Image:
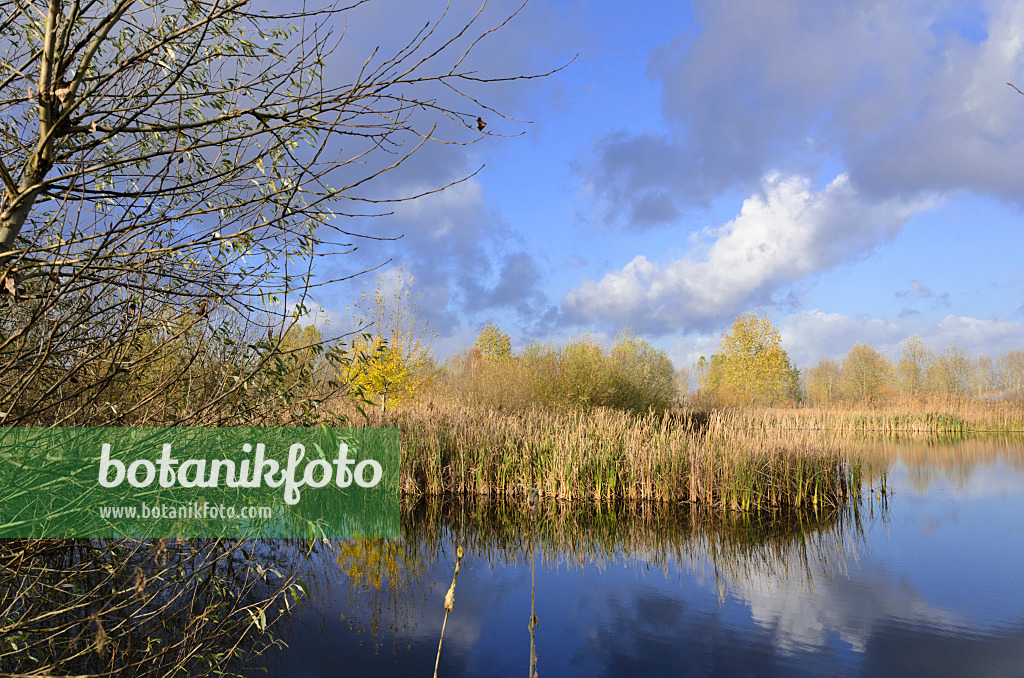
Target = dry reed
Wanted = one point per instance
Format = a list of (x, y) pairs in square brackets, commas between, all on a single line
[(922, 415), (607, 456)]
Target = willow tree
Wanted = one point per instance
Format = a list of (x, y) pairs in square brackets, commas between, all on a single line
[(170, 169), (641, 375), (824, 381), (913, 366), (950, 373)]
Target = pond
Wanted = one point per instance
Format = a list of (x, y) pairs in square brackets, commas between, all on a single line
[(925, 579)]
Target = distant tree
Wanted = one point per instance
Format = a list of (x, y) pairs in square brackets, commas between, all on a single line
[(795, 393), (493, 344), (1010, 367), (700, 372), (709, 377), (984, 376), (581, 376), (913, 366), (632, 376), (641, 375), (950, 373), (867, 374), (824, 381), (681, 380), (754, 366)]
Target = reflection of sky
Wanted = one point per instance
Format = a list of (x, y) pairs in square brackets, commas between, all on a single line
[(933, 590), (943, 564)]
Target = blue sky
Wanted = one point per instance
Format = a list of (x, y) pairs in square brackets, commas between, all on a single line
[(854, 170)]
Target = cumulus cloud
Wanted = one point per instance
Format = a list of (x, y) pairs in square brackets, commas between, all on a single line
[(810, 335), (782, 234), (687, 350), (908, 105)]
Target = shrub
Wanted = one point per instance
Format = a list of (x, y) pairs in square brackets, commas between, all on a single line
[(633, 376)]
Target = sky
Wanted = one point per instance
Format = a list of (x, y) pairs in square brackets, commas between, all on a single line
[(853, 170)]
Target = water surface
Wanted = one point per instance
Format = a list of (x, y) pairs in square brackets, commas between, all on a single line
[(926, 580)]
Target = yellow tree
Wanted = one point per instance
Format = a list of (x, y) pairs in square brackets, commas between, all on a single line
[(393, 345), (494, 344), (754, 366)]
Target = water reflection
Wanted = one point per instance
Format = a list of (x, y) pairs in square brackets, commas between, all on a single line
[(387, 595), (956, 461), (921, 581)]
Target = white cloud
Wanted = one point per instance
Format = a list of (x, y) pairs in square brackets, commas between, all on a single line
[(810, 335), (454, 340), (910, 97), (687, 350), (782, 234)]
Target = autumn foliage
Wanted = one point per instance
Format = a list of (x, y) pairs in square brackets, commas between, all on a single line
[(631, 376), (393, 345), (751, 367)]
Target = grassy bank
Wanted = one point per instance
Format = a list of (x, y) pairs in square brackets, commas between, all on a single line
[(606, 456)]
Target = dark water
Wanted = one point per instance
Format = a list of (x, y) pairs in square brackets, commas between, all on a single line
[(928, 581)]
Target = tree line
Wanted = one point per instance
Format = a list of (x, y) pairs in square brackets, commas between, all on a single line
[(752, 367), (868, 374)]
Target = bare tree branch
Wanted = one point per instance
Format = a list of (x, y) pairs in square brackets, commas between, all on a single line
[(171, 171)]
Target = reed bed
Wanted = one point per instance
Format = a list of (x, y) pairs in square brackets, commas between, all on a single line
[(922, 416), (605, 455)]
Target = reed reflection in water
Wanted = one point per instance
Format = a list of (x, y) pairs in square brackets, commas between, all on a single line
[(386, 596)]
